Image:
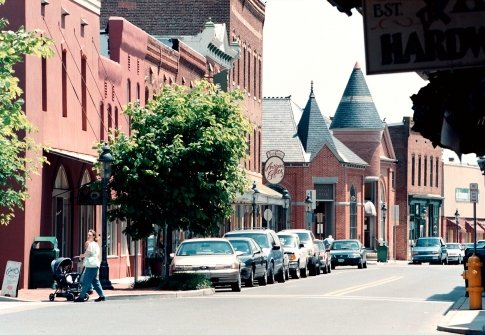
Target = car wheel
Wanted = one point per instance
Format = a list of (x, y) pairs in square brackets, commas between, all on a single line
[(250, 281), (262, 281), (287, 273), (271, 274), (318, 269), (312, 270), (236, 287), (281, 275), (296, 273), (445, 261)]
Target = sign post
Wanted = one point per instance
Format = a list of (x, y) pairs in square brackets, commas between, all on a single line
[(474, 199)]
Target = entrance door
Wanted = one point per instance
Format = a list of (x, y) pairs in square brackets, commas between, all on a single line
[(61, 200)]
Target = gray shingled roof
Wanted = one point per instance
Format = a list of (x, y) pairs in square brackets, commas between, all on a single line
[(280, 118), (312, 128), (356, 108), (279, 130)]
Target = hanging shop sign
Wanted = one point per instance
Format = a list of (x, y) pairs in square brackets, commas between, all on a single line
[(415, 35), (274, 168)]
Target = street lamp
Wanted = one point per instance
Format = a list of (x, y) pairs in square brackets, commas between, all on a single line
[(457, 217), (308, 203), (423, 219), (286, 204), (255, 192), (384, 211), (106, 161)]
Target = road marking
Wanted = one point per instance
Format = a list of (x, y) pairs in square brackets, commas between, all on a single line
[(362, 286)]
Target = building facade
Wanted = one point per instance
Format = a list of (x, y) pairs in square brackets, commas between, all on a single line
[(345, 166), (75, 99)]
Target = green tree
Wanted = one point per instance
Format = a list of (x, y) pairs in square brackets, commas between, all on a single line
[(181, 164), (16, 166)]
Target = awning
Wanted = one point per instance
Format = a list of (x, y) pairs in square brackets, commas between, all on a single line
[(470, 224), (452, 224), (266, 196), (73, 155), (370, 209)]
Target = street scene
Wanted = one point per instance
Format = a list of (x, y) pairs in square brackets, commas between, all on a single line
[(243, 166)]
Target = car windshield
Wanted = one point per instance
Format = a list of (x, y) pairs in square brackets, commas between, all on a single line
[(425, 242), (453, 246), (204, 248), (345, 245), (242, 246), (259, 238), (304, 237), (288, 241)]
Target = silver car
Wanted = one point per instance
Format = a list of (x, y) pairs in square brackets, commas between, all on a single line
[(213, 257), (429, 249)]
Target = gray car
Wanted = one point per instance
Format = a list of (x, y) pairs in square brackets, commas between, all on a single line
[(429, 249)]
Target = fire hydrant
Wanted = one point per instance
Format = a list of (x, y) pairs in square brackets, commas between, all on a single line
[(474, 277)]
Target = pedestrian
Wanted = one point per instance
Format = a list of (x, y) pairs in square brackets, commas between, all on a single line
[(328, 241), (91, 262)]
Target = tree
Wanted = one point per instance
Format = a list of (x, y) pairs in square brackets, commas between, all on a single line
[(181, 164), (16, 167)]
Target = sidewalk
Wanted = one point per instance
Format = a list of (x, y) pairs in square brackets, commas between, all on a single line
[(122, 289), (461, 320)]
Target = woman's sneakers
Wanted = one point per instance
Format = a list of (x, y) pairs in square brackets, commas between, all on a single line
[(101, 298)]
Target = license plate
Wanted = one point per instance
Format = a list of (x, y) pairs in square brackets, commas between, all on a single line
[(341, 260)]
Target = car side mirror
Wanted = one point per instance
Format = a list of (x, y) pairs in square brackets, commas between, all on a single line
[(276, 247), (301, 245), (172, 255), (239, 253)]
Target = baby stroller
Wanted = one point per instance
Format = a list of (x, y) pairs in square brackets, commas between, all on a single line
[(68, 283)]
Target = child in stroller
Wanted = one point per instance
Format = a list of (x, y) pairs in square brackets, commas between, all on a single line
[(68, 284)]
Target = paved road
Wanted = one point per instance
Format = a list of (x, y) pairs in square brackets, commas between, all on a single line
[(383, 299)]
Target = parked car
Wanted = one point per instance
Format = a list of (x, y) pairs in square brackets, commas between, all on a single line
[(271, 245), (307, 237), (429, 249), (213, 257), (456, 252), (324, 256), (297, 254), (253, 260), (348, 252)]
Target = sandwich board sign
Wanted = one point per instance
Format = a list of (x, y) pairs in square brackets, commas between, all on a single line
[(11, 279)]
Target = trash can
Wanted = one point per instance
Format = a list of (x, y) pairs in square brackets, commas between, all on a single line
[(44, 250), (382, 252)]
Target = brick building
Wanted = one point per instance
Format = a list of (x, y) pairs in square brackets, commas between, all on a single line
[(346, 164), (75, 98), (244, 22), (419, 180)]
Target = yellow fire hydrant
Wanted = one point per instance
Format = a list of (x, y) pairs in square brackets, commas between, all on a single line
[(474, 277)]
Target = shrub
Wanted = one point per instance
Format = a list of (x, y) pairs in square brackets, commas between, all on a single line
[(178, 282)]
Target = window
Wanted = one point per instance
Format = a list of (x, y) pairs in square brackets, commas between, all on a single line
[(353, 212), (44, 84), (413, 164), (64, 83), (462, 194), (419, 170), (249, 71), (437, 184), (61, 212), (128, 91), (101, 122), (255, 74), (84, 95), (425, 175), (112, 238), (431, 171), (86, 216)]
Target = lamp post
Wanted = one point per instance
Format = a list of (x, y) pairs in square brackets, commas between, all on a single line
[(384, 212), (423, 219), (457, 217), (286, 204), (255, 192), (308, 203), (106, 160)]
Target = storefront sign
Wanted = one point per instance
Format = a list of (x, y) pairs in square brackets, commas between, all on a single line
[(11, 279), (414, 35), (274, 169)]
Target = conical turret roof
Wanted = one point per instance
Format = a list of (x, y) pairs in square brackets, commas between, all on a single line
[(356, 108)]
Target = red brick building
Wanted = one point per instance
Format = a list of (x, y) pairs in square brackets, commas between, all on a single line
[(75, 98), (419, 194), (346, 164)]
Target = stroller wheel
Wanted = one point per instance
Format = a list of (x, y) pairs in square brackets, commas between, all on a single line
[(70, 297), (51, 297)]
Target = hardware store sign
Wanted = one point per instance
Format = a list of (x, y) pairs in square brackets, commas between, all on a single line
[(414, 35)]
